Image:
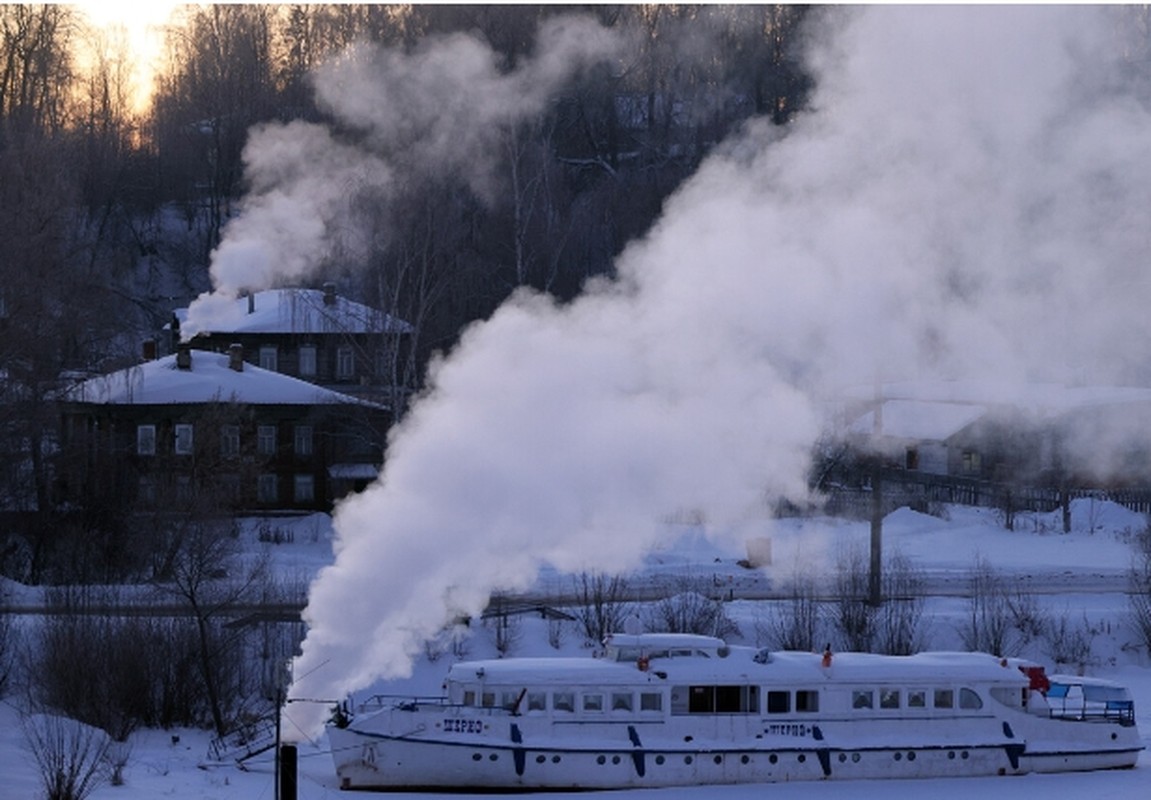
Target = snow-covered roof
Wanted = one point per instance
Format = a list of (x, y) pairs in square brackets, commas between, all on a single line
[(921, 420), (210, 379), (1038, 398), (300, 311)]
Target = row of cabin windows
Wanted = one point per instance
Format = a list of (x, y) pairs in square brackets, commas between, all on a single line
[(267, 487), (565, 702), (184, 433), (726, 700), (345, 361), (892, 699)]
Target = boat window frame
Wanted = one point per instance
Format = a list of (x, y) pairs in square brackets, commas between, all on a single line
[(563, 702), (645, 699)]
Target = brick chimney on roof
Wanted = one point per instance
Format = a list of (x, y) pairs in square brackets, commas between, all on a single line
[(183, 357), (329, 294), (236, 357)]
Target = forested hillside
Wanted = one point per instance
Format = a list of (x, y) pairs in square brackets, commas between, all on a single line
[(110, 210)]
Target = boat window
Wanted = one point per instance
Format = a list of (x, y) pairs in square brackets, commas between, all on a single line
[(1009, 696), (944, 698), (889, 698), (778, 702), (621, 701), (537, 701), (650, 701), (807, 701), (916, 698), (593, 702), (969, 699), (509, 700), (861, 698), (488, 699), (469, 697), (563, 701), (719, 699)]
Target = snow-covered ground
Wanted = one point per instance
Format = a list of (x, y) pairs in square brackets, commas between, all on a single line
[(1080, 575)]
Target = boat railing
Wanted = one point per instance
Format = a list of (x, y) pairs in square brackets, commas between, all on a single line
[(400, 702), (1121, 711)]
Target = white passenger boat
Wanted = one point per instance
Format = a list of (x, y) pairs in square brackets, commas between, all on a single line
[(675, 709)]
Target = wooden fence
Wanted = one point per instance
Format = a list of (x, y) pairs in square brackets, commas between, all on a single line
[(921, 491)]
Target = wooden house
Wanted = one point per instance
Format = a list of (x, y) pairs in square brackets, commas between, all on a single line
[(202, 427)]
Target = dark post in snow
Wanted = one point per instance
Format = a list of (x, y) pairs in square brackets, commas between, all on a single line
[(875, 575), (287, 785)]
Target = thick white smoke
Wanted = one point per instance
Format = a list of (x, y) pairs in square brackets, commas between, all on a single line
[(967, 198), (441, 110)]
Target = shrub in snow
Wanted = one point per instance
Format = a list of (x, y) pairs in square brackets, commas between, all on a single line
[(899, 627), (1070, 643), (987, 627), (793, 623), (852, 615), (71, 757), (1139, 580), (687, 609), (601, 604)]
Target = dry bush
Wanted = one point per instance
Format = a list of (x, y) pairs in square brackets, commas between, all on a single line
[(601, 604), (688, 609), (71, 757)]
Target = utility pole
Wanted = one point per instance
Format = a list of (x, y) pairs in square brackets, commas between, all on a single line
[(875, 576)]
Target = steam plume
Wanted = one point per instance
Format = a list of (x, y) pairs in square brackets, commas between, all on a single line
[(967, 198), (437, 111)]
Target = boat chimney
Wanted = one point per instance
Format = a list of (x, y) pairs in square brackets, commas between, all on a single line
[(236, 356)]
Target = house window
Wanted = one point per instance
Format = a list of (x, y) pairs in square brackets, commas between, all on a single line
[(308, 361), (230, 441), (183, 488), (146, 440), (303, 440), (183, 440), (912, 460), (269, 359), (972, 463), (305, 491), (266, 440), (266, 488), (345, 363)]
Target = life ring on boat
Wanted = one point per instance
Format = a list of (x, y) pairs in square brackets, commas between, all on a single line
[(642, 663)]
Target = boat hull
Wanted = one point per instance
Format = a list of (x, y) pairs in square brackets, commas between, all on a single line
[(510, 755)]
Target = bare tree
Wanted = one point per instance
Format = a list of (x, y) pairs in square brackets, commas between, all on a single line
[(853, 615), (602, 606), (900, 626), (794, 623), (209, 577), (987, 627)]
